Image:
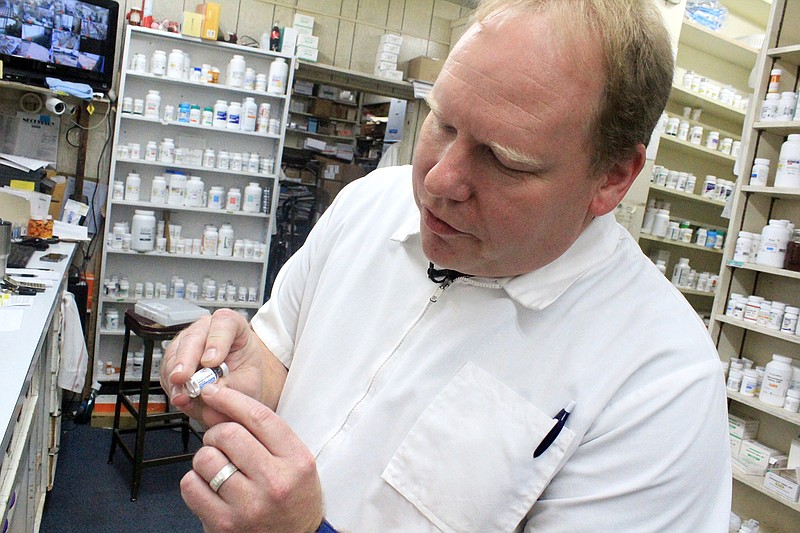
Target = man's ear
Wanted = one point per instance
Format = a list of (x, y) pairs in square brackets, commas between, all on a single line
[(616, 181)]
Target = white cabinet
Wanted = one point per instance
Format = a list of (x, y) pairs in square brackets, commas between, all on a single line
[(178, 258), (752, 208), (726, 63)]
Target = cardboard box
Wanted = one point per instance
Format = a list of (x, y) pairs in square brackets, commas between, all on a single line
[(314, 144), (386, 56), (333, 169), (192, 24), (307, 54), (323, 108), (302, 30), (327, 91), (396, 75), (304, 87), (305, 21), (56, 187), (389, 48), (392, 38), (309, 41), (288, 41), (794, 454), (211, 12), (783, 482), (424, 68), (385, 65), (756, 458), (743, 428)]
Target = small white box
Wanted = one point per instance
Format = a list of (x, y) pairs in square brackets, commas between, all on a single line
[(783, 481), (736, 444), (309, 41), (304, 87), (288, 41), (306, 21), (385, 65), (302, 30), (757, 457), (309, 54), (744, 428), (386, 56), (170, 312), (794, 454), (389, 48), (392, 38), (396, 75), (314, 144)]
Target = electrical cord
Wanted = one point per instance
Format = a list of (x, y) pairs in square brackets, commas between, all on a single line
[(91, 248)]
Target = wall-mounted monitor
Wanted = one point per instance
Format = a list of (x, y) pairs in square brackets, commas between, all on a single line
[(72, 40)]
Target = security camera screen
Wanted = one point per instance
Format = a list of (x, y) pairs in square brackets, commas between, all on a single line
[(63, 32)]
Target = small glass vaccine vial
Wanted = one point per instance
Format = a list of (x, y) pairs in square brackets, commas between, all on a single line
[(203, 377)]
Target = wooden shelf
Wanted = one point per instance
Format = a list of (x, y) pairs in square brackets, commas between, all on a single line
[(757, 482), (765, 269), (698, 150), (755, 403), (775, 192), (211, 211), (687, 196), (719, 46), (198, 168), (695, 292), (200, 302), (779, 128), (215, 87), (789, 54), (685, 97), (196, 257), (750, 326), (314, 134), (175, 123), (680, 244), (331, 119)]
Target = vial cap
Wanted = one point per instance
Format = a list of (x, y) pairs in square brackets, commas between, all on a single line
[(794, 137), (224, 368), (781, 358), (762, 161)]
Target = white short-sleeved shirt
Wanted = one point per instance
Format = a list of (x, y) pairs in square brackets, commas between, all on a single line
[(424, 415)]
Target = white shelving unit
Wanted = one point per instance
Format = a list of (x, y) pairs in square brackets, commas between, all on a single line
[(133, 128), (752, 208), (722, 58)]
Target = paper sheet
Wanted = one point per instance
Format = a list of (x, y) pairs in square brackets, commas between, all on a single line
[(11, 318)]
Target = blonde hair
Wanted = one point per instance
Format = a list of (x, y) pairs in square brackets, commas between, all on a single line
[(638, 65)]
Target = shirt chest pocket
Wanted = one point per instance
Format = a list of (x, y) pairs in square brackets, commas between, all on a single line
[(467, 464)]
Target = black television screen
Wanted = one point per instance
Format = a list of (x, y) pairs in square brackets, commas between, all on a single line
[(72, 40)]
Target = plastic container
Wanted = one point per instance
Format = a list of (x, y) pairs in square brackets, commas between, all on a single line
[(234, 116), (166, 151), (278, 74), (789, 322), (220, 119), (194, 192), (249, 115), (759, 172), (143, 231), (207, 117), (210, 239), (252, 198), (680, 272), (177, 188), (132, 185), (225, 241), (792, 402), (234, 199), (777, 376), (158, 190), (735, 377), (774, 80), (158, 63), (175, 64), (769, 107), (209, 158), (152, 104), (788, 173), (787, 106), (744, 242), (112, 319), (235, 73), (661, 223), (749, 383), (649, 217), (774, 239)]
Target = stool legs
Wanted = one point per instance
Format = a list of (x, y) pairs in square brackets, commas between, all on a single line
[(118, 403), (141, 419)]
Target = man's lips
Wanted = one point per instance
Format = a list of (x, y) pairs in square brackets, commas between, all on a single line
[(437, 225)]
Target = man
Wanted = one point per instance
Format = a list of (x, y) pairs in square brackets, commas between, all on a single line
[(420, 406)]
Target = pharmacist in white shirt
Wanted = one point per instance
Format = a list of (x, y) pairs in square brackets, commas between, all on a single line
[(559, 384)]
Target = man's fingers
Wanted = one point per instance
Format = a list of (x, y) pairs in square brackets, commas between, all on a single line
[(228, 331), (273, 433)]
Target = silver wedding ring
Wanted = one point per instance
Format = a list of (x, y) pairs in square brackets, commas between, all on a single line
[(222, 476)]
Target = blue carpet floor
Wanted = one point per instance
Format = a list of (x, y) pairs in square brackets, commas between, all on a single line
[(90, 495)]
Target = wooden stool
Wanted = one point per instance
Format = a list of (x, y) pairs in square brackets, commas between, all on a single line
[(150, 332)]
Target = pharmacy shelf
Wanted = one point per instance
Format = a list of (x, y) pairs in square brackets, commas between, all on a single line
[(695, 292), (324, 135), (680, 244), (720, 46), (176, 124), (201, 303), (789, 54), (722, 133), (209, 210), (321, 117), (788, 337), (765, 269), (311, 96), (185, 256), (686, 195), (114, 378), (695, 150), (211, 87), (755, 10), (685, 97), (757, 482), (774, 192), (196, 168), (755, 403), (786, 127)]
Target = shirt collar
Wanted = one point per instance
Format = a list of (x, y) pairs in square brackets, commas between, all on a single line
[(541, 287)]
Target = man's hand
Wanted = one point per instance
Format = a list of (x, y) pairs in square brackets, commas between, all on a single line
[(224, 336), (276, 487)]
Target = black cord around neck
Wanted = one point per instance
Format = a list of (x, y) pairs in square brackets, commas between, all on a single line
[(440, 275)]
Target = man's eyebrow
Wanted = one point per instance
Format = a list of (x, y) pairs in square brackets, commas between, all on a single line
[(432, 104), (517, 156)]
